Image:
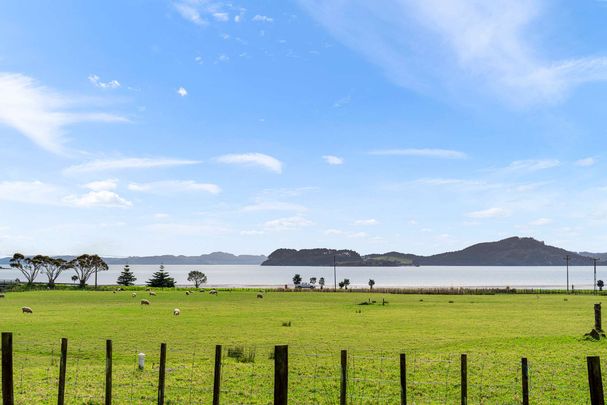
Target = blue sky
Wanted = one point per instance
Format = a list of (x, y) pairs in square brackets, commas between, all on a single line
[(189, 126)]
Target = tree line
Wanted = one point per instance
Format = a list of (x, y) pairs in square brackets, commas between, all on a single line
[(297, 281)]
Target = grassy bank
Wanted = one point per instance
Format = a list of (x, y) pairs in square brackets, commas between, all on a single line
[(494, 330)]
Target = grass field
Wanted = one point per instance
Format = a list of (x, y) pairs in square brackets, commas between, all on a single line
[(494, 330)]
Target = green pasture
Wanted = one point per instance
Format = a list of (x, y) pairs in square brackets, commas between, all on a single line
[(433, 330)]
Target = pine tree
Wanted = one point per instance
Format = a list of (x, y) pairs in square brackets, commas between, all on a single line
[(126, 278), (161, 279)]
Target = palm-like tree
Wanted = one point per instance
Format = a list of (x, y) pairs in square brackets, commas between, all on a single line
[(371, 283)]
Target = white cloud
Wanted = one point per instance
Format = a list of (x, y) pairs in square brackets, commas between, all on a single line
[(188, 11), (223, 58), (252, 159), (494, 212), (174, 186), (424, 152), (103, 198), (237, 18), (199, 60), (366, 222), (161, 215), (101, 185), (339, 232), (223, 17), (541, 221), (41, 114), (333, 160), (342, 102), (96, 81), (34, 192), (262, 18), (274, 206), (532, 165), (127, 163), (286, 224), (182, 91), (461, 45), (586, 162)]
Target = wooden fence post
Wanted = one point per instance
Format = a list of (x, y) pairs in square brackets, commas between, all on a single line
[(403, 379), (217, 375), (598, 324), (525, 380), (108, 372), (595, 381), (464, 378), (7, 369), (162, 373), (281, 375), (343, 388), (62, 369)]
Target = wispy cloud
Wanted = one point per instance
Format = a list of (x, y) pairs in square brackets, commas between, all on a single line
[(40, 113), (532, 165), (274, 206), (366, 222), (287, 224), (541, 221), (252, 159), (127, 163), (101, 185), (586, 162), (174, 186), (494, 212), (262, 18), (424, 152), (96, 81), (333, 160), (31, 192), (103, 198), (458, 45)]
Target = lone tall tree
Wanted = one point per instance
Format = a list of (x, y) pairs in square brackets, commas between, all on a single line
[(29, 267), (371, 283), (87, 265), (297, 279), (321, 282), (161, 279), (126, 278), (197, 277), (600, 284)]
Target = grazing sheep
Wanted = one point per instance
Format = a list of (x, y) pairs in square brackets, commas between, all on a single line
[(114, 292), (259, 295), (187, 293), (145, 302), (133, 295), (213, 292), (27, 310), (176, 311), (152, 293), (2, 295)]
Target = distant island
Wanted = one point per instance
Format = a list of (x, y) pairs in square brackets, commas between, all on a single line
[(514, 251), (211, 258)]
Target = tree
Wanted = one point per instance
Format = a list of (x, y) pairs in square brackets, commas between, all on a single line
[(126, 278), (74, 278), (341, 284), (197, 277), (371, 283), (161, 279), (321, 282), (87, 265), (600, 284), (346, 282), (29, 267), (52, 267), (313, 280), (297, 279)]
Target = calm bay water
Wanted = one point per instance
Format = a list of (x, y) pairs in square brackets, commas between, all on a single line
[(425, 276)]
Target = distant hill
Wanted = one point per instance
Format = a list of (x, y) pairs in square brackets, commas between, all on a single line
[(601, 256), (211, 258), (513, 251)]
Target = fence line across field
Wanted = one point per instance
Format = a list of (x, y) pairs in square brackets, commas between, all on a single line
[(342, 378)]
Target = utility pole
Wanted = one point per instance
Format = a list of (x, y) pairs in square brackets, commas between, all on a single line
[(334, 275), (567, 258), (594, 259)]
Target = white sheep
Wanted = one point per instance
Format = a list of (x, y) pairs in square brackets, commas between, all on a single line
[(2, 295), (213, 292), (134, 295), (176, 311), (27, 310), (145, 302), (152, 293), (259, 295), (187, 293)]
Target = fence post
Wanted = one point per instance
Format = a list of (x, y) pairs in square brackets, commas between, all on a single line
[(598, 324), (343, 388), (281, 375), (464, 378), (595, 381), (108, 372), (403, 379), (162, 373), (7, 369), (62, 369), (217, 375), (525, 380)]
